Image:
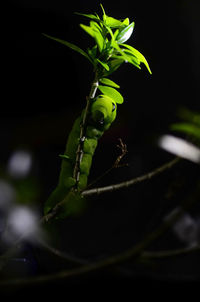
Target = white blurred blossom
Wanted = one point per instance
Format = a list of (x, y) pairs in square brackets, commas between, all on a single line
[(22, 222), (180, 148), (19, 164), (186, 228)]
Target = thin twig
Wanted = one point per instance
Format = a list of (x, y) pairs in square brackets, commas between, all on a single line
[(79, 152), (116, 164), (61, 254), (133, 252), (169, 253), (123, 147), (146, 254), (54, 211), (119, 258), (112, 188), (134, 181)]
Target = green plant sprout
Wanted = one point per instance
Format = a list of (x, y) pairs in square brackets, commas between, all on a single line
[(187, 147), (189, 125), (106, 56)]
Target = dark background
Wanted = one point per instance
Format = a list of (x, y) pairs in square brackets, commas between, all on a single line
[(45, 88)]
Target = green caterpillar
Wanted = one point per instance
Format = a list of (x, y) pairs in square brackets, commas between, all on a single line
[(102, 113)]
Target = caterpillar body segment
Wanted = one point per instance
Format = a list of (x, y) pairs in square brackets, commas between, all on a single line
[(102, 113)]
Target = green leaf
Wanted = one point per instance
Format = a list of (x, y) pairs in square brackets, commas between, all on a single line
[(94, 31), (104, 14), (90, 16), (109, 82), (114, 64), (138, 55), (64, 156), (104, 64), (112, 42), (95, 26), (87, 29), (126, 22), (112, 22), (187, 128), (116, 33), (116, 46), (132, 59), (128, 59), (97, 35), (70, 45), (190, 116), (125, 33), (112, 93), (93, 52)]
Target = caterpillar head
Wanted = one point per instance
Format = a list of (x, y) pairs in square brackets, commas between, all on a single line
[(103, 111)]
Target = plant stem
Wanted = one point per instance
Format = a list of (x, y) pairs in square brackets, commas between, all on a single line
[(131, 182), (114, 187), (132, 252), (122, 185), (79, 152), (169, 253)]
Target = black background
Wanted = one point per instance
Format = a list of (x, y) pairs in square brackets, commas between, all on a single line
[(45, 85)]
